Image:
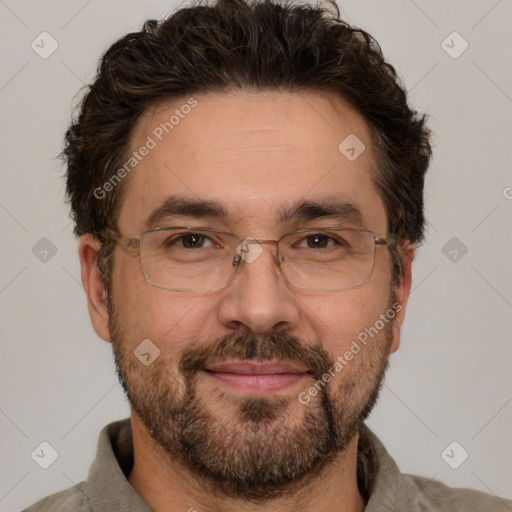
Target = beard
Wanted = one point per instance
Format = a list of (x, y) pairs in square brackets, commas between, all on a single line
[(265, 446)]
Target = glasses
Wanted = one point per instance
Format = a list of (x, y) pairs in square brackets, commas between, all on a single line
[(191, 259)]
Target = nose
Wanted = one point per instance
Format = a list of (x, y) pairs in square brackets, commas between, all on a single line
[(258, 298)]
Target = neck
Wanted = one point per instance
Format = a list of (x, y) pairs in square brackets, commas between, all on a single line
[(165, 485)]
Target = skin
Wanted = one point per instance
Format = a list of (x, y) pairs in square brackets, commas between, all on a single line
[(253, 152)]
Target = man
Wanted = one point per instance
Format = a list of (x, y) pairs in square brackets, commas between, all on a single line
[(247, 185)]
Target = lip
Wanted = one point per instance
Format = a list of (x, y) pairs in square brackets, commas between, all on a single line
[(256, 377)]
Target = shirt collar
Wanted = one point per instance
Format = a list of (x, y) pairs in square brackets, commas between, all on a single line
[(108, 488)]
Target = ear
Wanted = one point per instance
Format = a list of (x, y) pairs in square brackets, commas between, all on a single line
[(94, 286), (406, 252)]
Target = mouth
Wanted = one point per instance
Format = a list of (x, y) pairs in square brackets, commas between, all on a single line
[(256, 377)]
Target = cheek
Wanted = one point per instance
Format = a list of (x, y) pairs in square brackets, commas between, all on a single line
[(340, 318), (169, 319)]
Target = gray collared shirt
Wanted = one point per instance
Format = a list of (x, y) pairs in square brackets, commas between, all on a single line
[(382, 484)]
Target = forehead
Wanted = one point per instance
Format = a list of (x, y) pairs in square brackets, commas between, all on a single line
[(255, 153)]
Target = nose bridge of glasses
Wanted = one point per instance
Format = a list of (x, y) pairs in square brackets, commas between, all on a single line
[(244, 253), (274, 242)]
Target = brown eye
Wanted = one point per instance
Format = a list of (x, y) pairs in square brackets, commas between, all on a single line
[(318, 241), (192, 241)]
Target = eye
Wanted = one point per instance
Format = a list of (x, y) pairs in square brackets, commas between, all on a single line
[(190, 241), (317, 241)]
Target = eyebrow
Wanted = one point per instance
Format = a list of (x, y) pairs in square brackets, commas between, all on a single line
[(175, 206), (334, 208), (302, 211)]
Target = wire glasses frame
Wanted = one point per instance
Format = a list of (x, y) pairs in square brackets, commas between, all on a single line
[(346, 262)]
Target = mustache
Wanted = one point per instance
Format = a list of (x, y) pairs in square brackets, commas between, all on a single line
[(278, 346)]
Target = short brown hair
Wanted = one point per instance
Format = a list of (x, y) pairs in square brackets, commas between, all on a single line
[(261, 45)]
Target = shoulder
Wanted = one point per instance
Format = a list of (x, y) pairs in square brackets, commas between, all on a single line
[(433, 495), (392, 490), (69, 500)]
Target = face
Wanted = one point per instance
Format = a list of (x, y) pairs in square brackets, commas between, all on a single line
[(257, 374)]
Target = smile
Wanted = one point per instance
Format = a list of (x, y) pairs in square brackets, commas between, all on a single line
[(259, 378)]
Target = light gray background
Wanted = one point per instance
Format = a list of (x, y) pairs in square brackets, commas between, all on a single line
[(451, 378)]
